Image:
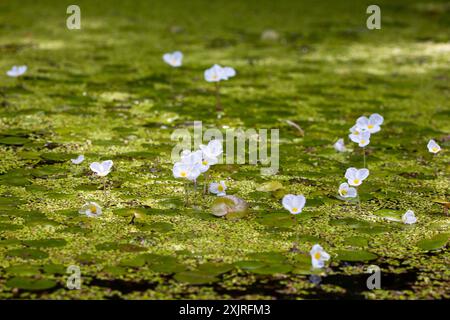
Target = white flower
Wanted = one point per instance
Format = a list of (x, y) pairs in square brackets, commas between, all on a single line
[(346, 191), (340, 146), (294, 204), (213, 150), (318, 256), (371, 124), (218, 188), (174, 59), (216, 73), (91, 209), (78, 159), (17, 71), (361, 138), (101, 169), (356, 176), (186, 171), (228, 72), (409, 217), (433, 147)]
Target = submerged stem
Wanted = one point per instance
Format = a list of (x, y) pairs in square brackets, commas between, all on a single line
[(364, 156)]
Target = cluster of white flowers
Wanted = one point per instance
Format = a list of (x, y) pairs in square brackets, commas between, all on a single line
[(216, 73), (355, 178), (364, 127), (194, 163), (16, 71)]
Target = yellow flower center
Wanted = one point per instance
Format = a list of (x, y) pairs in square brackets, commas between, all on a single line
[(434, 149), (317, 255), (356, 132), (183, 174), (370, 126), (220, 188), (356, 181), (363, 141), (294, 209), (204, 162), (93, 209), (343, 191)]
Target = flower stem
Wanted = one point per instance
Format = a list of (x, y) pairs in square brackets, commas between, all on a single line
[(205, 175), (186, 192), (364, 156), (218, 103)]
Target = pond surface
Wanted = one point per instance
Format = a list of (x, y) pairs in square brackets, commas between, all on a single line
[(308, 70)]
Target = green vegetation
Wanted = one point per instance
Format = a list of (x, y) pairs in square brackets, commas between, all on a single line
[(104, 91)]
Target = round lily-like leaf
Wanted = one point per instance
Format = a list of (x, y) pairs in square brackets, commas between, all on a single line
[(271, 257), (27, 253), (250, 264), (391, 215), (23, 270), (161, 227), (230, 206), (356, 241), (270, 186), (273, 269), (14, 141), (31, 284), (215, 269), (195, 277), (9, 227), (434, 243), (355, 255), (45, 243), (276, 219), (53, 268)]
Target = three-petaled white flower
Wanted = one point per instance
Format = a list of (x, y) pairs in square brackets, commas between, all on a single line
[(346, 191), (78, 159), (91, 209), (293, 203), (318, 256), (362, 138), (409, 217), (356, 176), (173, 59), (340, 146), (101, 169), (17, 71), (371, 124), (217, 73), (433, 147), (218, 188)]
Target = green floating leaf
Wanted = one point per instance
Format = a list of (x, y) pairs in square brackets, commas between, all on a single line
[(230, 206), (276, 219), (267, 256), (391, 215), (45, 243), (115, 270), (31, 284), (355, 255), (434, 243), (134, 262), (27, 253), (356, 241), (161, 227), (23, 270), (250, 264), (270, 186), (53, 268), (14, 141), (273, 269), (164, 264), (215, 269), (195, 277)]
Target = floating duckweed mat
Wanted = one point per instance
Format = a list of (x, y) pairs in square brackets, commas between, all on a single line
[(309, 69)]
